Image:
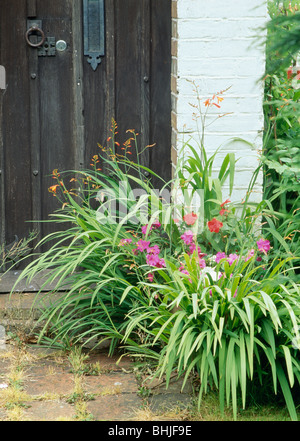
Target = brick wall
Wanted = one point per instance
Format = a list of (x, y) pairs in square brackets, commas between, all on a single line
[(214, 45)]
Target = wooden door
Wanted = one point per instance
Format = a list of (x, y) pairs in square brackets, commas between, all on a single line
[(57, 106)]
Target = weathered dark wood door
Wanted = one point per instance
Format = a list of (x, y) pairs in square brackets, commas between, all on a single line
[(56, 107)]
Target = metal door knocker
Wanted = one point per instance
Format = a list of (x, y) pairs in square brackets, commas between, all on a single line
[(35, 29)]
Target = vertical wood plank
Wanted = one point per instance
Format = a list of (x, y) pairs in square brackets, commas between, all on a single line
[(145, 44), (2, 189), (31, 9), (110, 102), (78, 121), (16, 176), (35, 136), (160, 155), (57, 107)]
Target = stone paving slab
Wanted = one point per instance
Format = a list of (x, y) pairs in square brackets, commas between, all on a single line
[(112, 395), (114, 382), (49, 411), (122, 407)]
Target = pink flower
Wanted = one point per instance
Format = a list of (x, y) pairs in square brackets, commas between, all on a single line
[(161, 263), (190, 218), (144, 229), (187, 237), (263, 245), (184, 271), (142, 245), (192, 248), (154, 260), (153, 250), (249, 255), (232, 258), (220, 255), (202, 263), (156, 224)]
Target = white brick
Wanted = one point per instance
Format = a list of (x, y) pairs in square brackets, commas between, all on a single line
[(218, 48), (195, 28), (237, 86), (234, 124), (249, 143), (242, 104), (221, 8), (222, 67)]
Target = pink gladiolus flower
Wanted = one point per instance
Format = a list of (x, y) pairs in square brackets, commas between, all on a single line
[(144, 229), (192, 248), (154, 260), (202, 263), (187, 237), (142, 245), (263, 245), (153, 250), (220, 255), (232, 258), (249, 255), (156, 224), (184, 271), (161, 263)]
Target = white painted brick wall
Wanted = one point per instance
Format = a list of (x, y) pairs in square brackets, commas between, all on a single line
[(217, 48)]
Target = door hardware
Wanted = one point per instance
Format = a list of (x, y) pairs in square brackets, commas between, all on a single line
[(45, 45), (34, 28), (94, 31)]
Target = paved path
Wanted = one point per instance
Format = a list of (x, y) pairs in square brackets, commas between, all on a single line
[(113, 392)]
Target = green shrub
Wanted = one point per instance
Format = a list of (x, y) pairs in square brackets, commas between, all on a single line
[(233, 330)]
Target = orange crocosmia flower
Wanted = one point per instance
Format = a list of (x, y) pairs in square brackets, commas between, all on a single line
[(53, 188), (190, 218), (207, 102), (220, 99)]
